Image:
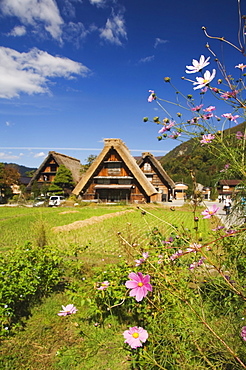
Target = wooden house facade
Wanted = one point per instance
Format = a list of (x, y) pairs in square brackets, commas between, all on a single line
[(115, 176), (46, 172), (228, 187), (157, 176)]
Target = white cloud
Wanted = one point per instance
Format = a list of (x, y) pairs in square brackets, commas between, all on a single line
[(7, 123), (98, 3), (34, 12), (159, 41), (8, 156), (18, 31), (147, 59), (114, 29), (41, 154), (75, 32), (30, 72)]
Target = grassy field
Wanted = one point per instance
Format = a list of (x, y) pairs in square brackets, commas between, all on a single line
[(49, 342)]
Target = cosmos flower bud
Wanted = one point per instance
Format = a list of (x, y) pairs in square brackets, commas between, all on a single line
[(189, 96), (156, 119), (159, 138), (219, 81), (167, 79), (166, 120), (145, 119), (179, 114)]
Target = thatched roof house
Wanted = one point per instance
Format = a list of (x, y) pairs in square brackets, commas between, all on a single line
[(47, 170), (115, 176), (156, 174)]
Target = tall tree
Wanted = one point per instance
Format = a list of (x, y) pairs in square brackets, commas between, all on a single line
[(88, 163), (8, 176), (63, 181)]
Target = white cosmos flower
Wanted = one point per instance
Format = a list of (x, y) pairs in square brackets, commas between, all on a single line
[(198, 66), (205, 80)]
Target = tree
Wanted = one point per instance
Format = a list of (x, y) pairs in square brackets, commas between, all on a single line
[(35, 189), (8, 177), (63, 181), (88, 163)]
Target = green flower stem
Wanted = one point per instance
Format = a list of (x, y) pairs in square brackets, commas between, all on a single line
[(201, 319), (163, 221)]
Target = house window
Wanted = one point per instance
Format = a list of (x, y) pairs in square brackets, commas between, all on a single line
[(103, 181), (114, 168), (53, 167), (124, 181), (147, 167), (46, 177), (150, 177)]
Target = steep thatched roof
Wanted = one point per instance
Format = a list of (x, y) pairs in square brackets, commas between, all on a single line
[(124, 153), (158, 167), (70, 163)]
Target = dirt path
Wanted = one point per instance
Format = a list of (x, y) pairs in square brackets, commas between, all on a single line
[(90, 221)]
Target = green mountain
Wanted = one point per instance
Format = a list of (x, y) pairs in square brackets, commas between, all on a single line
[(192, 156), (20, 168)]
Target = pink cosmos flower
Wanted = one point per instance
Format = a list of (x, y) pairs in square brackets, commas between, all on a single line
[(163, 129), (197, 66), (196, 264), (175, 135), (230, 117), (171, 124), (220, 227), (243, 333), (176, 255), (210, 211), (206, 139), (241, 66), (229, 94), (104, 285), (67, 310), (193, 248), (240, 135), (135, 336), (145, 255), (141, 260), (197, 108), (207, 116), (152, 96), (204, 90), (139, 285), (205, 80), (209, 109), (225, 168)]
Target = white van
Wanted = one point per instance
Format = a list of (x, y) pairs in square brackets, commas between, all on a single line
[(56, 200)]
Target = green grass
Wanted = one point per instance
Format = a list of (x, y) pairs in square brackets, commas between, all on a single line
[(51, 342)]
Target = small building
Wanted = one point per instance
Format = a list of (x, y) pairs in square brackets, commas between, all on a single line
[(180, 190), (46, 172), (158, 177), (115, 176), (227, 187)]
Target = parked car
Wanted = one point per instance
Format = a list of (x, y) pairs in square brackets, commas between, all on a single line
[(56, 200), (39, 202)]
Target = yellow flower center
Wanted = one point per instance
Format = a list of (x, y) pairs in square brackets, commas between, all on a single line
[(135, 335), (205, 81), (140, 284)]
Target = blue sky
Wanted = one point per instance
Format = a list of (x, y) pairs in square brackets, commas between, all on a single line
[(73, 72)]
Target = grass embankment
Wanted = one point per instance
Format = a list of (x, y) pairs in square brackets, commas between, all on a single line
[(52, 342)]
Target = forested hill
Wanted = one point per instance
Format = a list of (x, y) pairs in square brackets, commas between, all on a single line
[(20, 168), (191, 155)]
